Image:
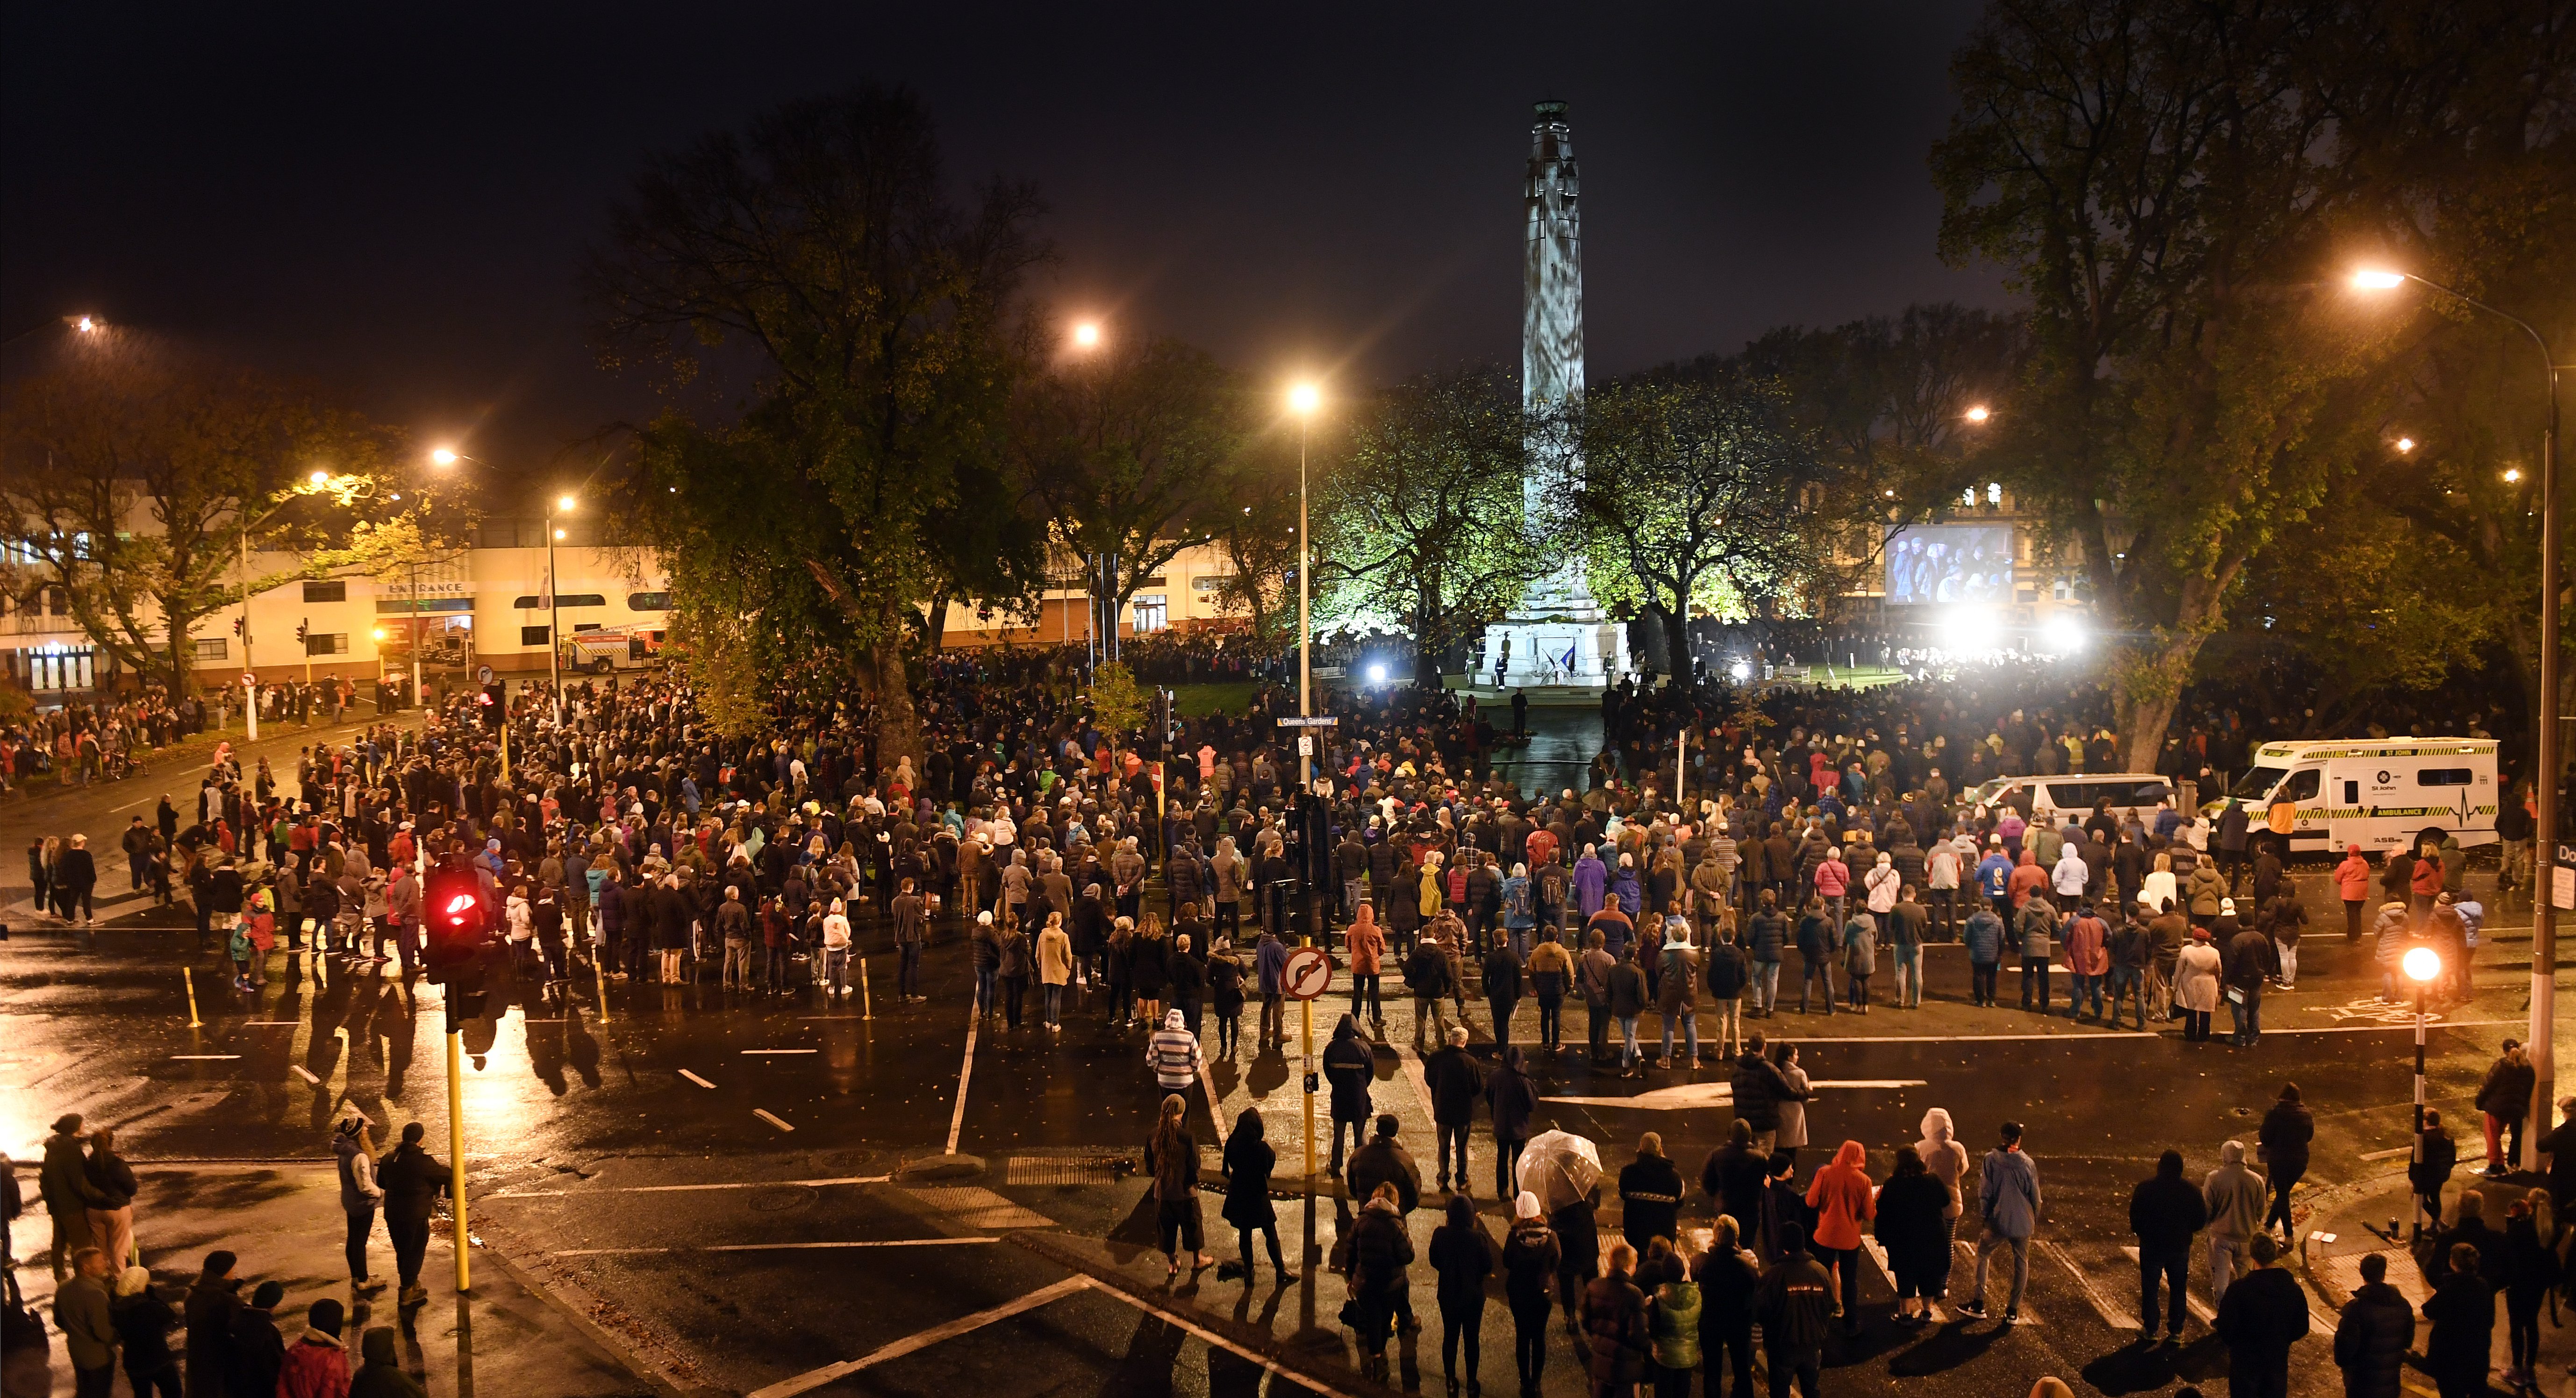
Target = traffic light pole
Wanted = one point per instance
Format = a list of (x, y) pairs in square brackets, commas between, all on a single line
[(456, 1143)]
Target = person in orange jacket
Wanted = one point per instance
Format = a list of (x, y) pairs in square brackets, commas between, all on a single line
[(1843, 1199)]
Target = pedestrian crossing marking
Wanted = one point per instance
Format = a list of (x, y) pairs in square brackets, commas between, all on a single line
[(2112, 1316), (2190, 1297)]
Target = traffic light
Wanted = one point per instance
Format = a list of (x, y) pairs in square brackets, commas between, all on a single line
[(1314, 829), (458, 924), (237, 626), (299, 632)]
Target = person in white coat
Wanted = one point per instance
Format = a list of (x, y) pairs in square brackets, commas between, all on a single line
[(2196, 984)]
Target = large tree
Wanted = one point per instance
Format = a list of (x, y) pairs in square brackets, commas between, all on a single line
[(837, 337), (1132, 451), (140, 479), (1687, 494), (1419, 520), (2176, 188)]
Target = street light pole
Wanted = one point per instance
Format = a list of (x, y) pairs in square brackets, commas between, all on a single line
[(2422, 965), (554, 610), (250, 690), (2545, 757)]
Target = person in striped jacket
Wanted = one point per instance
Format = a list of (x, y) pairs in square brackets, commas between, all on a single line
[(1173, 1053)]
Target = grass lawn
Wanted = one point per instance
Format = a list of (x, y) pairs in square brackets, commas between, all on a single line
[(1203, 700)]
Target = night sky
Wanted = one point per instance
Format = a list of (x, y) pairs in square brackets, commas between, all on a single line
[(396, 203)]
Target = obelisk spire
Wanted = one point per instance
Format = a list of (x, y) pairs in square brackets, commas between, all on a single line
[(1552, 267)]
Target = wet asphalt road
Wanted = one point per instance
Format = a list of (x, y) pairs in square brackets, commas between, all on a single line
[(740, 1253)]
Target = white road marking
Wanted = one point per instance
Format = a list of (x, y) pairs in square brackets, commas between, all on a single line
[(702, 1082), (1878, 1254), (966, 1072), (758, 1053), (202, 1057), (921, 1339), (775, 1247), (1182, 1322), (764, 1114), (2112, 1316), (290, 1023), (302, 1072), (687, 1188), (2190, 1297), (1691, 1096), (2389, 1154), (1968, 1250)]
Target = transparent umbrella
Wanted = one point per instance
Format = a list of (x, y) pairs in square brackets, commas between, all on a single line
[(1559, 1167)]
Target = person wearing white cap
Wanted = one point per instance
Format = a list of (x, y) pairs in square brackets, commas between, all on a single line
[(1531, 1254)]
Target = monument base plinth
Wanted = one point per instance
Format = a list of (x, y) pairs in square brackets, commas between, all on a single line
[(1556, 646)]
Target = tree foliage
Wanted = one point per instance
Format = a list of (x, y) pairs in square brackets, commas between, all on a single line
[(1133, 452), (136, 474), (1420, 521), (2176, 187), (812, 274), (1687, 495)]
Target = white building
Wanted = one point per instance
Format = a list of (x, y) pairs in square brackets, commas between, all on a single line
[(490, 597)]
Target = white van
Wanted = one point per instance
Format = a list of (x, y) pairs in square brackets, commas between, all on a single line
[(2053, 800), (2378, 793)]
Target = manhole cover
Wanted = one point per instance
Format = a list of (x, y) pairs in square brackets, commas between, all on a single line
[(779, 1201)]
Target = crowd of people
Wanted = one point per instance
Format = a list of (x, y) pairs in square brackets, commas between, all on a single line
[(113, 1316), (632, 840), (1779, 1270)]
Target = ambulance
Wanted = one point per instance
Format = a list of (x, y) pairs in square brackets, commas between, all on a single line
[(2381, 794), (604, 649)]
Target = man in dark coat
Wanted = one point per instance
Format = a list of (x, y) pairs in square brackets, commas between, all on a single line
[(1510, 1100), (1794, 1303), (1650, 1195), (2373, 1333), (1502, 987), (258, 1347), (1383, 1161), (1759, 1091), (412, 1180), (1454, 1082), (2287, 1129), (2165, 1212), (2263, 1313), (213, 1303), (1732, 1178), (1349, 1067)]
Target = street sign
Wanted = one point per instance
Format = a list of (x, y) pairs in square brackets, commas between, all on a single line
[(2562, 880), (483, 675), (1305, 745), (1307, 975), (250, 679), (1318, 721)]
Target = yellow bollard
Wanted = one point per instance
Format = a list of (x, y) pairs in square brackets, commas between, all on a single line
[(190, 975), (602, 972), (866, 1005)]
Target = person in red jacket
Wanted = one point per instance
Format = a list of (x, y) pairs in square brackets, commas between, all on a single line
[(2425, 884), (1843, 1200), (2352, 884), (317, 1365)]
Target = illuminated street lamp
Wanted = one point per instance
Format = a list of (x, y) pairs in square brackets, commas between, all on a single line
[(1086, 335), (2405, 444), (1979, 413), (2544, 912), (2422, 965)]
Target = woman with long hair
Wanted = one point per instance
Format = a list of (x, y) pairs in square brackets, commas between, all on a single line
[(1248, 1161), (1172, 1162)]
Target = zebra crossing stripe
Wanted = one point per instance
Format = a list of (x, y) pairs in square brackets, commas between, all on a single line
[(2111, 1315)]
